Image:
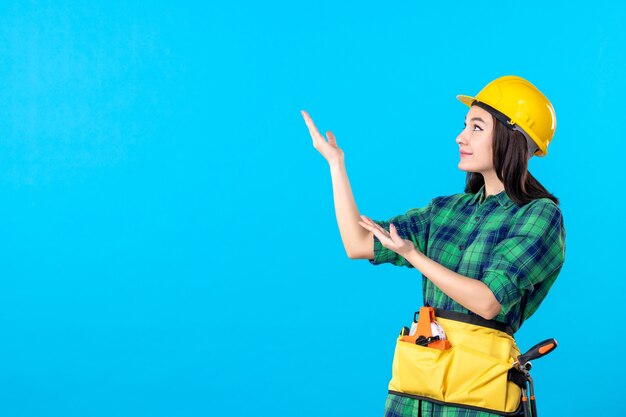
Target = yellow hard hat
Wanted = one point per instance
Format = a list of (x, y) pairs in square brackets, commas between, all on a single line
[(523, 105)]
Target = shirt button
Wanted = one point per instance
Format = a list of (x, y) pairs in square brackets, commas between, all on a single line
[(460, 247), (476, 218)]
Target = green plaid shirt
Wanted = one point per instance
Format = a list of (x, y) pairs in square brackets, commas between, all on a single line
[(516, 251)]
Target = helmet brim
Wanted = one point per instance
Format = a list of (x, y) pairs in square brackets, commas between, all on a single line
[(467, 100)]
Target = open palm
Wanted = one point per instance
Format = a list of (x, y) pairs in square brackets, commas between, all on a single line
[(326, 146)]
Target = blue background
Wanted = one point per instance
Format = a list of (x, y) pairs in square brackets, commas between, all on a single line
[(169, 246)]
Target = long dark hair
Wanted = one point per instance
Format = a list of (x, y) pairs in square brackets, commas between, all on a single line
[(510, 160)]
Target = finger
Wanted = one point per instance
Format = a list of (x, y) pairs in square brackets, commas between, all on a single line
[(305, 116), (331, 138), (309, 123), (367, 219), (366, 226), (374, 228), (373, 223), (383, 236), (307, 119), (370, 228), (368, 222), (393, 233)]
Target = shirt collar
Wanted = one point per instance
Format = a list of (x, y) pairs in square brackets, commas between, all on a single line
[(502, 198)]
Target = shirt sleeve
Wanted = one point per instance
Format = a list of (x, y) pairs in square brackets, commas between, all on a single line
[(523, 267), (412, 226)]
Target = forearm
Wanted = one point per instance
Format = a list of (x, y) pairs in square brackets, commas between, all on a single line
[(470, 293), (358, 242)]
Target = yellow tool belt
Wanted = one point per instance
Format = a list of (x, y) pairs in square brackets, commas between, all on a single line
[(472, 373)]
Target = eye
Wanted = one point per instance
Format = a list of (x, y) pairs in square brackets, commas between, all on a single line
[(475, 127)]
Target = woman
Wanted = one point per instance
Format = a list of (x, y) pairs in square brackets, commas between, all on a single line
[(491, 253)]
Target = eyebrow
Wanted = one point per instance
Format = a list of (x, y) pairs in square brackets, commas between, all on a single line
[(478, 119)]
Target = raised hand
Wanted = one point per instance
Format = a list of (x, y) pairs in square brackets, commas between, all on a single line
[(325, 146)]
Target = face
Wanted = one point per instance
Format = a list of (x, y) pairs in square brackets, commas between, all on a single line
[(476, 141)]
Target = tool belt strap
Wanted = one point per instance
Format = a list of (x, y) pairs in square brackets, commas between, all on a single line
[(518, 377), (476, 320)]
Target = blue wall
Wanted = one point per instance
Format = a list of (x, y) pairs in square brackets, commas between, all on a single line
[(169, 246)]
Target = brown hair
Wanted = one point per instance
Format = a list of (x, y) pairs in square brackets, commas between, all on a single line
[(510, 161)]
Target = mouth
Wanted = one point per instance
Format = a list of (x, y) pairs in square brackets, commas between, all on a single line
[(465, 154)]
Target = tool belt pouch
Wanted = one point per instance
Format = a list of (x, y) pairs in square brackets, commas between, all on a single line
[(472, 373)]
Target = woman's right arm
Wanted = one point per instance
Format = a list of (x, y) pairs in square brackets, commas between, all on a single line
[(358, 242)]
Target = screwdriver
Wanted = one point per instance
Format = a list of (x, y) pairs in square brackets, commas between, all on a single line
[(537, 351)]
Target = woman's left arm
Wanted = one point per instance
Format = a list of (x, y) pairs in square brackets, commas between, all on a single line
[(470, 293)]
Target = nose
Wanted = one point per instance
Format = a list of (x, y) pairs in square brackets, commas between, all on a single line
[(461, 139)]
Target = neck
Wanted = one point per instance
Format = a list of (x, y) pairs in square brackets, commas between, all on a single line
[(493, 185)]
